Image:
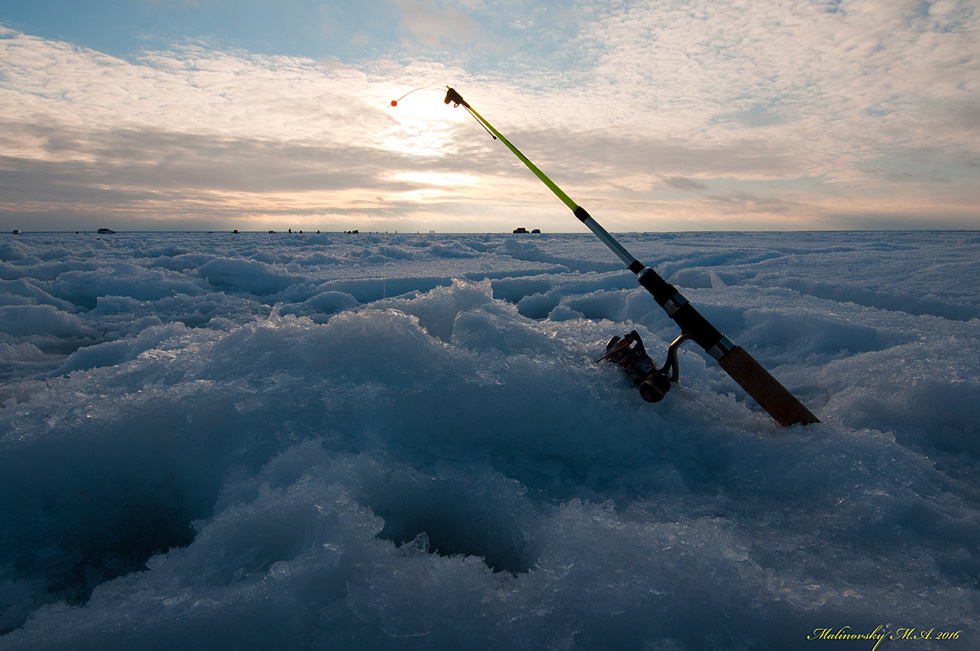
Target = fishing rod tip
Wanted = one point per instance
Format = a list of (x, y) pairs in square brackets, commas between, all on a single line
[(454, 97)]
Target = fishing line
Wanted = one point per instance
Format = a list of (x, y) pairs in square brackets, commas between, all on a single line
[(384, 265), (394, 102), (387, 212), (384, 246)]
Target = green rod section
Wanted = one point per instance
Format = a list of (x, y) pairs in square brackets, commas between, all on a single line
[(583, 216), (456, 98)]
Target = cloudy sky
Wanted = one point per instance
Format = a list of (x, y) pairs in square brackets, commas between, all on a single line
[(656, 115)]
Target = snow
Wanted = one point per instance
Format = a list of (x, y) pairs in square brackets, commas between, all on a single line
[(358, 441)]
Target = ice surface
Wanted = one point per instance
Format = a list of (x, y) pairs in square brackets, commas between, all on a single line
[(332, 441)]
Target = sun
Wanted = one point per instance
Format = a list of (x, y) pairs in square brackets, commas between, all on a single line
[(422, 123)]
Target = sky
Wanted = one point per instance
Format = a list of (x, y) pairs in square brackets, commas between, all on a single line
[(669, 115)]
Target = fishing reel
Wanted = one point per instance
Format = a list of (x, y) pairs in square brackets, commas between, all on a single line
[(628, 353)]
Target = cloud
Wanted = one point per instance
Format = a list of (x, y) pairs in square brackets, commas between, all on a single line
[(438, 26), (185, 132), (788, 70), (706, 113), (685, 184)]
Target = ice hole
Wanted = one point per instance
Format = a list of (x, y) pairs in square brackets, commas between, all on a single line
[(450, 533)]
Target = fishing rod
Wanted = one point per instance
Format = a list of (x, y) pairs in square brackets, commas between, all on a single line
[(757, 382)]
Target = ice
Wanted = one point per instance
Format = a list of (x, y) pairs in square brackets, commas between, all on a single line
[(30, 320), (247, 275), (351, 441)]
